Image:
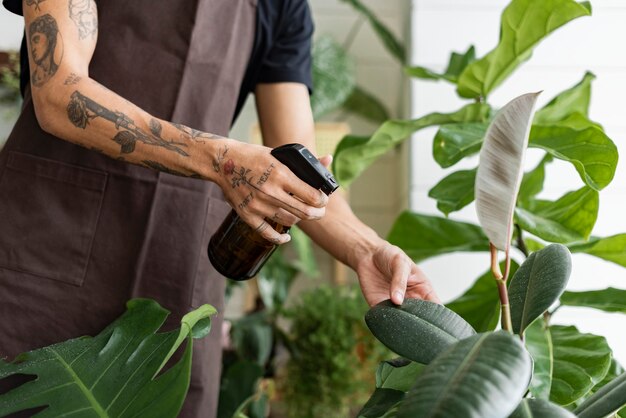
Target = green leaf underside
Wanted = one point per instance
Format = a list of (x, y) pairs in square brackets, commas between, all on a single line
[(539, 408), (524, 23), (333, 76), (482, 376), (611, 248), (480, 304), (398, 374), (571, 218), (573, 100), (455, 191), (539, 345), (112, 374), (537, 284), (456, 65), (417, 330), (436, 236), (580, 362), (608, 300), (358, 153), (364, 104)]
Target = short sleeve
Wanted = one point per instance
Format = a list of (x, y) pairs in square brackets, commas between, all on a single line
[(289, 58), (14, 6)]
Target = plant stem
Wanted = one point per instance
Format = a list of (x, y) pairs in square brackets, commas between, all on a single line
[(502, 290), (521, 245)]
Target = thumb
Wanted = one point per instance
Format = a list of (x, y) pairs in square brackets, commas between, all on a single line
[(326, 160)]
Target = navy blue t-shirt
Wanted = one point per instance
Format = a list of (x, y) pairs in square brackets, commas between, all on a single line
[(281, 51)]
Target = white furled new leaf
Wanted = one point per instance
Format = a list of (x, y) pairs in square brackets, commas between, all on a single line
[(500, 170)]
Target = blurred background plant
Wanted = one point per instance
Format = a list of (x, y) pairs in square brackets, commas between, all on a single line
[(10, 98)]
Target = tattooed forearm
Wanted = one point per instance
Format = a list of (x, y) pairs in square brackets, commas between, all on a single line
[(246, 201), (194, 133), (265, 176), (155, 165), (217, 162), (81, 109), (84, 13), (36, 3), (72, 79), (46, 49)]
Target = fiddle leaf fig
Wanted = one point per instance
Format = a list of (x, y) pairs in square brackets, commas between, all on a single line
[(532, 182), (455, 141), (539, 345), (611, 248), (112, 374), (573, 100), (455, 191), (456, 65), (524, 24), (608, 300)]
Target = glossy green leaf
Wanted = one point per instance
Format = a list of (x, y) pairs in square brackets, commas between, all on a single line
[(501, 168), (355, 154), (112, 374), (398, 374), (480, 304), (363, 104), (568, 219), (456, 65), (418, 330), (539, 408), (608, 300), (238, 387), (380, 403), (610, 399), (532, 182), (333, 76), (455, 191), (539, 345), (455, 141), (537, 284), (524, 24), (425, 236), (582, 143), (391, 43), (573, 100), (580, 362), (485, 375), (611, 248)]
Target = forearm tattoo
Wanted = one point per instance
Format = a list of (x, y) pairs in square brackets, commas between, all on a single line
[(35, 3), (84, 13), (217, 162), (81, 110), (72, 79), (46, 49), (194, 133)]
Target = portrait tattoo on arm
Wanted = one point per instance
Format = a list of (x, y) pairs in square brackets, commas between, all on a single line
[(84, 13), (46, 49)]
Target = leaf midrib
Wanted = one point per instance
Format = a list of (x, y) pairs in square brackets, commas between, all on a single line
[(81, 385)]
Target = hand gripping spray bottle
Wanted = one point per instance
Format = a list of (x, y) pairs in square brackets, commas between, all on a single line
[(236, 250)]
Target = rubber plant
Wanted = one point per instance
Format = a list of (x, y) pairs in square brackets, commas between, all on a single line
[(119, 373), (573, 372)]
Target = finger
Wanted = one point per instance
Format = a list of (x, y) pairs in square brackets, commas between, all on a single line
[(264, 229), (420, 287), (303, 192), (400, 270), (291, 205), (326, 160), (285, 218)]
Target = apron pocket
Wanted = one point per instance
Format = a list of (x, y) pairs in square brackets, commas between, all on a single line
[(48, 216)]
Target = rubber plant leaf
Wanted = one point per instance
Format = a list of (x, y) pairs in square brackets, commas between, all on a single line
[(500, 169), (113, 374), (481, 376), (539, 408)]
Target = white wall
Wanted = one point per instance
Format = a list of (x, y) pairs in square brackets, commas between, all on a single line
[(589, 43)]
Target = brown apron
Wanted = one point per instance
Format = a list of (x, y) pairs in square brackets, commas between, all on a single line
[(80, 233)]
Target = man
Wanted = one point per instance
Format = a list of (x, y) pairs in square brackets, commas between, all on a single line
[(107, 193)]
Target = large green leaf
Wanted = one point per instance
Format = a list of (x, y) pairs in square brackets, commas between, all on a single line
[(112, 374), (580, 362), (333, 76), (582, 143), (393, 45), (398, 374), (571, 218), (480, 304), (455, 141), (253, 337), (501, 169), (362, 103), (611, 248), (380, 403), (238, 385), (524, 24), (539, 408), (424, 236), (455, 191), (537, 284), (355, 154), (608, 300), (482, 376), (539, 345), (456, 65), (606, 401), (418, 330), (573, 100), (532, 182)]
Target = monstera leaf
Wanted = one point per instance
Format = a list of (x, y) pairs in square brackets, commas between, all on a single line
[(500, 170), (112, 374)]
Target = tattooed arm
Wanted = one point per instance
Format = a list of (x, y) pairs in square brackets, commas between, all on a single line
[(61, 38), (384, 270)]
